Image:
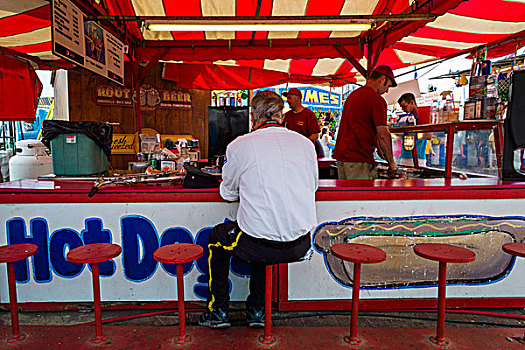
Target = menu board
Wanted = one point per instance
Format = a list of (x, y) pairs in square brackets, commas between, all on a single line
[(85, 42)]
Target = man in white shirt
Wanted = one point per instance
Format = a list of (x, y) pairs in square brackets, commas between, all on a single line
[(273, 173)]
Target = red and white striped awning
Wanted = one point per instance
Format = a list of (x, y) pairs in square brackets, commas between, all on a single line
[(460, 26)]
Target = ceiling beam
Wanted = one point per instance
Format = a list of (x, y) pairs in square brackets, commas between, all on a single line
[(271, 19), (251, 42), (351, 59)]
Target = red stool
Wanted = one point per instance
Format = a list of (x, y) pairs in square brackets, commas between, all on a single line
[(9, 254), (358, 254), (516, 249), (179, 254), (444, 253), (94, 254), (268, 338)]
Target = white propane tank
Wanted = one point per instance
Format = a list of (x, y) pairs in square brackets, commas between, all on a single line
[(30, 161)]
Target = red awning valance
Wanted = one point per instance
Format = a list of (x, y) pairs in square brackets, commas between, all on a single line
[(19, 90)]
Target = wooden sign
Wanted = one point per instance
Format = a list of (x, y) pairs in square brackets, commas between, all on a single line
[(151, 98)]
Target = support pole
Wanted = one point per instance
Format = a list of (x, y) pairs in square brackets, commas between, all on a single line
[(449, 151), (353, 339), (13, 305), (136, 81), (99, 338), (183, 338), (268, 338), (442, 294)]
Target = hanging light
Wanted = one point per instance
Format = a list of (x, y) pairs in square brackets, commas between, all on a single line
[(250, 24), (172, 27)]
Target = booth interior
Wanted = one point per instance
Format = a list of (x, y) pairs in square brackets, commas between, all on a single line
[(190, 126)]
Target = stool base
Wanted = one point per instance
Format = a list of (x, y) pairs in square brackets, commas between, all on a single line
[(182, 339), (443, 342), (97, 340), (271, 340), (16, 339), (352, 341)]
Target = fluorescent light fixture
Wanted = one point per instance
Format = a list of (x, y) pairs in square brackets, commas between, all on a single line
[(250, 27)]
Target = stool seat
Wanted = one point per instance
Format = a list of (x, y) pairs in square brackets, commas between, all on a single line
[(358, 253), (94, 253), (517, 249), (446, 253), (178, 253), (15, 252)]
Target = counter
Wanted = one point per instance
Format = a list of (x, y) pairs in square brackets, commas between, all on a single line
[(481, 214)]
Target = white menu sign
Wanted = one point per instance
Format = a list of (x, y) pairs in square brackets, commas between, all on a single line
[(85, 42)]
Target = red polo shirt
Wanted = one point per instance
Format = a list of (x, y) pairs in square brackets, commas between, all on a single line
[(304, 122), (363, 111)]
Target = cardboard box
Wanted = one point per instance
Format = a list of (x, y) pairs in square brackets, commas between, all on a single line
[(168, 165), (479, 104), (195, 156), (147, 143), (489, 108), (478, 87), (470, 110)]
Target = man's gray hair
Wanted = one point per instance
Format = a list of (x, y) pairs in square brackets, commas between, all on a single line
[(267, 105)]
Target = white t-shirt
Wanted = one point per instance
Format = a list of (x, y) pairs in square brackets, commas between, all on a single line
[(273, 172)]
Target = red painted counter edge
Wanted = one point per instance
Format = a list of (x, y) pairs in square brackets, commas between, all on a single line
[(329, 190)]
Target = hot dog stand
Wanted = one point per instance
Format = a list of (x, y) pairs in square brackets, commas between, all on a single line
[(58, 215)]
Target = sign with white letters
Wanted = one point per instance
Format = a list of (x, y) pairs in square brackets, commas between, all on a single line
[(86, 43)]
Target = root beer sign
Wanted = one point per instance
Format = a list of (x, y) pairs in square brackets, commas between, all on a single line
[(150, 98)]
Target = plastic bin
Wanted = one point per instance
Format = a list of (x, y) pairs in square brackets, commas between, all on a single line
[(77, 154)]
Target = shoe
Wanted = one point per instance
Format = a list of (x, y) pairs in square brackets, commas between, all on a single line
[(255, 316), (214, 319)]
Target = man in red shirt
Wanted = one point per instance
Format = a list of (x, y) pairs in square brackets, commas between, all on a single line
[(300, 119), (363, 128)]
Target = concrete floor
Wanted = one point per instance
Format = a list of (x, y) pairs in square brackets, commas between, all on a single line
[(308, 330)]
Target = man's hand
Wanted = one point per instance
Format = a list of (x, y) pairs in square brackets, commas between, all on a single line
[(393, 171), (384, 149)]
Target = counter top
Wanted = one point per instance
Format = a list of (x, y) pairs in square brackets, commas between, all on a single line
[(65, 191)]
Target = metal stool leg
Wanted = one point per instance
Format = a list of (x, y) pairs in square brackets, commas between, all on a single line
[(16, 337), (353, 340), (183, 338), (99, 338), (268, 338), (442, 294)]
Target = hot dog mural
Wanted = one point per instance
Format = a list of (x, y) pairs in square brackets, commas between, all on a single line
[(403, 268)]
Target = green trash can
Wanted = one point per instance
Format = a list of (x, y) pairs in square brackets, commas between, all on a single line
[(77, 154)]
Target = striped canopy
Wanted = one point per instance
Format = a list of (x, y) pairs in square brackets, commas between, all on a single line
[(321, 56)]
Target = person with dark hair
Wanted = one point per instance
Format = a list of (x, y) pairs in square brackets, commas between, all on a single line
[(273, 173), (363, 128), (302, 119), (408, 104)]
